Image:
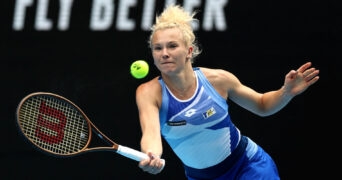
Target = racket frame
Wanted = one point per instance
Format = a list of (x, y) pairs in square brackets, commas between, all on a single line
[(120, 149)]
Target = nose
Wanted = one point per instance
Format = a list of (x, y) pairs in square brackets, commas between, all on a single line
[(165, 53)]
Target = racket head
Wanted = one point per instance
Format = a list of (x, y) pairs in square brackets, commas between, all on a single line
[(53, 124)]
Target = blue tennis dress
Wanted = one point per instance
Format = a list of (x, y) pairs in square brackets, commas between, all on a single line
[(202, 135)]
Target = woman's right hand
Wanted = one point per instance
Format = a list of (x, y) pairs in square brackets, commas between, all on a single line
[(153, 165)]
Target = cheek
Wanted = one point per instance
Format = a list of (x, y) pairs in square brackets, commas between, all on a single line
[(155, 62), (155, 56), (156, 53), (185, 55)]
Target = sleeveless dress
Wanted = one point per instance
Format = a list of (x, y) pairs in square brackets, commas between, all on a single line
[(201, 133)]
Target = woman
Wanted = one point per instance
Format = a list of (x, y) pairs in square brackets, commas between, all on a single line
[(187, 106)]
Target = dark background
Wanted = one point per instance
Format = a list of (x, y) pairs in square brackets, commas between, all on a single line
[(264, 41)]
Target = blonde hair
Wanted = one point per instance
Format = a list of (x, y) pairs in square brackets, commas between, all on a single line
[(174, 16)]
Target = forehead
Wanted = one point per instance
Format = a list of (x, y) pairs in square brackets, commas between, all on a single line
[(167, 35)]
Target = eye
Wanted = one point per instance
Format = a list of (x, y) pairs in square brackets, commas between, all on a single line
[(172, 45), (157, 48)]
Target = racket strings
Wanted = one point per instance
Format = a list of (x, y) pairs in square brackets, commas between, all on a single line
[(54, 125)]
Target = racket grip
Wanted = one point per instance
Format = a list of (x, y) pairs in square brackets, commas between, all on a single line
[(131, 153)]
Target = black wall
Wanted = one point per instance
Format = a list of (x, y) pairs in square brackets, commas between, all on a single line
[(264, 40)]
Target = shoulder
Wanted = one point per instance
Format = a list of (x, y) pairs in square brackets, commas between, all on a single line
[(222, 80), (149, 94), (149, 87), (218, 75)]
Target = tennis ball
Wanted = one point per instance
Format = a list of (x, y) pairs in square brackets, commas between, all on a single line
[(139, 69)]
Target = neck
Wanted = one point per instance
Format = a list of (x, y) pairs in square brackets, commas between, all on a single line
[(182, 87)]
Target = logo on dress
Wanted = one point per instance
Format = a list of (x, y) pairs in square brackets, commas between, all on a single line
[(176, 123), (190, 112), (209, 113)]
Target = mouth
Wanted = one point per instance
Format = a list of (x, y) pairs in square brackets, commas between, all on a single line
[(166, 65), (167, 62)]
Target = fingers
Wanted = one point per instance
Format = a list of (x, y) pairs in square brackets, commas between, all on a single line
[(292, 74), (311, 77), (157, 165), (302, 70), (309, 74), (154, 165), (305, 66), (162, 164)]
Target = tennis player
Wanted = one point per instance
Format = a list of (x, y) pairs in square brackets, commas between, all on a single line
[(187, 106)]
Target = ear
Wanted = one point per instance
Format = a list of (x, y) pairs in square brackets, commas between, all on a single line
[(190, 52)]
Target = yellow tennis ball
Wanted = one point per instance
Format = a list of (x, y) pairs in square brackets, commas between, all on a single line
[(139, 69)]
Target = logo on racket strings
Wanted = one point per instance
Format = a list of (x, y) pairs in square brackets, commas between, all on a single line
[(56, 128)]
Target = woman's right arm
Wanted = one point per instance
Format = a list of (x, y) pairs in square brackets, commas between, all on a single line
[(148, 97)]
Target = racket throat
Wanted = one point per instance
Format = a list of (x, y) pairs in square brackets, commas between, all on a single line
[(116, 147)]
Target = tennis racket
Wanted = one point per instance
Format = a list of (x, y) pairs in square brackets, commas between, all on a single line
[(58, 127)]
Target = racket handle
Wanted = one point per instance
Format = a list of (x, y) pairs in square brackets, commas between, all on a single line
[(134, 154), (131, 153)]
